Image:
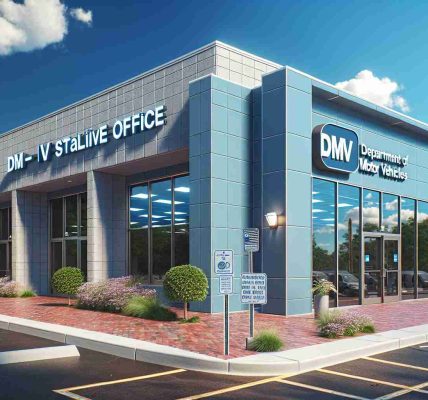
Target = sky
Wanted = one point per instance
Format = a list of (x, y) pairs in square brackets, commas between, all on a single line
[(56, 52)]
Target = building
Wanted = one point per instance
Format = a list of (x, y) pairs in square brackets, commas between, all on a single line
[(171, 165)]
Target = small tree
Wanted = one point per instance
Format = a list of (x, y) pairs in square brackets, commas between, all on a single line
[(67, 280), (186, 283)]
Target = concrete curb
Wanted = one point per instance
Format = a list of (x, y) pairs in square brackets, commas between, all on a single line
[(267, 364), (40, 354)]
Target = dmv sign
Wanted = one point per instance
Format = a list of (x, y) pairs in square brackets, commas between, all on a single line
[(335, 148)]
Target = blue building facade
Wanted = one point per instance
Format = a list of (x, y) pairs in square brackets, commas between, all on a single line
[(203, 147)]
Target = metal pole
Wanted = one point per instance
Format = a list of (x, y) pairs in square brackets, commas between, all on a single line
[(226, 324), (250, 269)]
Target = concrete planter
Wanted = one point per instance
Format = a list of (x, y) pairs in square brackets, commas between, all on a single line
[(321, 304)]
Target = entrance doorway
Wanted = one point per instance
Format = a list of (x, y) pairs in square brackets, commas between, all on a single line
[(382, 268)]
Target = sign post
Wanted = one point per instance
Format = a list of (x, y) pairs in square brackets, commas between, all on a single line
[(251, 244), (223, 267)]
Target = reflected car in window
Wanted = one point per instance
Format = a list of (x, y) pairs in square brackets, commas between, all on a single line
[(407, 279)]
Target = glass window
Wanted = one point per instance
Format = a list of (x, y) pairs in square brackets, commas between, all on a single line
[(408, 242), (4, 267), (371, 211), (71, 253), (71, 216), (161, 199), (83, 214), (181, 220), (390, 213), (422, 249), (348, 226), (139, 207), (56, 256), (139, 258), (324, 236), (56, 218), (159, 227), (4, 224), (84, 258)]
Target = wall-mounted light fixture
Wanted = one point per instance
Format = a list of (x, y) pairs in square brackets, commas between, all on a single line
[(272, 219)]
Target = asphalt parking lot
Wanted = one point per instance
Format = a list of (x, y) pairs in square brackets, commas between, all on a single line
[(401, 374)]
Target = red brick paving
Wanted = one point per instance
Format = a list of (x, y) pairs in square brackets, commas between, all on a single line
[(206, 336)]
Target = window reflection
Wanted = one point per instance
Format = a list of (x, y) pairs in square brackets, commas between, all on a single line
[(371, 208), (324, 237), (390, 213), (408, 242), (155, 209), (161, 199), (422, 249), (348, 209), (181, 220)]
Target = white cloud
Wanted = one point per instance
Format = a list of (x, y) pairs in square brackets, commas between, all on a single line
[(33, 24), (82, 15), (382, 91)]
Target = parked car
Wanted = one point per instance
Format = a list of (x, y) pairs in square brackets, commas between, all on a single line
[(408, 279)]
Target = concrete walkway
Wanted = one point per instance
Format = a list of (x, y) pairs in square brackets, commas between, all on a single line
[(285, 362)]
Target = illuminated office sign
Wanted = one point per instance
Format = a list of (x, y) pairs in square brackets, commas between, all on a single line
[(338, 149), (122, 128)]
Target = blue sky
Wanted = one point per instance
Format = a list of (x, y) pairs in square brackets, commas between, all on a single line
[(333, 40)]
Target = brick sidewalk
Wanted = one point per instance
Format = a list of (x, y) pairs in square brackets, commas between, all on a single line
[(206, 336)]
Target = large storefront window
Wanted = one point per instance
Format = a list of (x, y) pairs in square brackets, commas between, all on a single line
[(348, 225), (324, 232), (159, 227), (408, 248), (5, 242), (68, 232), (422, 249), (371, 211), (390, 213)]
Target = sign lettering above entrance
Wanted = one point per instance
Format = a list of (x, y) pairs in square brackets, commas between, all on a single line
[(127, 126), (338, 149)]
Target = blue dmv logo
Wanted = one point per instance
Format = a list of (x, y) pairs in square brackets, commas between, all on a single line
[(335, 148)]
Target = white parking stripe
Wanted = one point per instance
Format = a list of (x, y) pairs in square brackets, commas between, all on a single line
[(323, 390)]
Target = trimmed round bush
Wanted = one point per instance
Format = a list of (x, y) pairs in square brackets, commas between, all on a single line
[(266, 341), (186, 283), (67, 280), (148, 308)]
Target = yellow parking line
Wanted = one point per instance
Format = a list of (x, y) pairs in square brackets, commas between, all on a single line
[(323, 390), (395, 363), (235, 388), (71, 395), (402, 392), (136, 378)]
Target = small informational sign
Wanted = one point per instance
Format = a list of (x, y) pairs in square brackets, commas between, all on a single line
[(254, 288), (251, 239), (367, 258), (226, 284), (223, 262), (395, 257)]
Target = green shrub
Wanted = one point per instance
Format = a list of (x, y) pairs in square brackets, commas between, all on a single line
[(191, 320), (186, 283), (27, 293), (67, 280), (148, 308), (266, 341)]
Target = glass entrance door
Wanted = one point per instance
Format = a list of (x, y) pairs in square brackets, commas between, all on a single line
[(381, 269)]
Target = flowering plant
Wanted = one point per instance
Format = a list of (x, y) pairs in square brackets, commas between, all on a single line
[(111, 295), (334, 324), (8, 288)]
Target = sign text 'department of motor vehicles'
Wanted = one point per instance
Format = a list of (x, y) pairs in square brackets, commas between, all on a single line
[(223, 262), (254, 288), (251, 239)]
